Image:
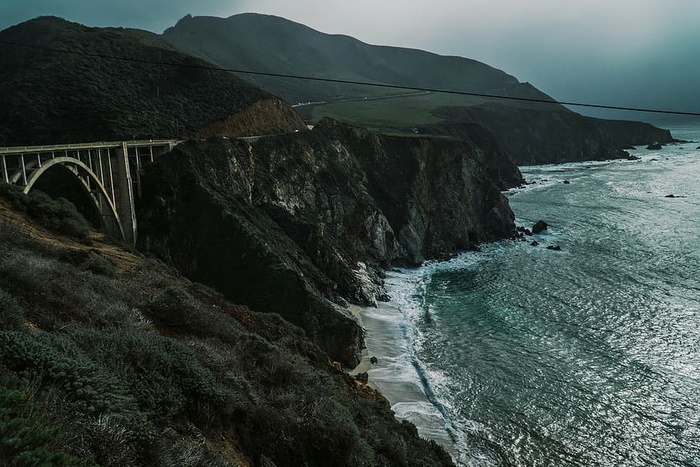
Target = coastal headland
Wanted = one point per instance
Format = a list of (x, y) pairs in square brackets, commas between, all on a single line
[(224, 336)]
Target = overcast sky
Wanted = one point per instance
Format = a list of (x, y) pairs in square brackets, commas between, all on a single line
[(619, 52)]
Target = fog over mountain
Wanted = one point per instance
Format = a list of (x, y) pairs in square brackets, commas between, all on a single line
[(640, 53)]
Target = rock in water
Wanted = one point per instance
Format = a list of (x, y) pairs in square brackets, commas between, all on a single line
[(539, 227), (554, 247), (655, 146)]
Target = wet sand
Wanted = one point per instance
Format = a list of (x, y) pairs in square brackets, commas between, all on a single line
[(395, 374)]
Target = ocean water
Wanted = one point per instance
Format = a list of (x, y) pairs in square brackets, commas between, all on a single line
[(589, 356)]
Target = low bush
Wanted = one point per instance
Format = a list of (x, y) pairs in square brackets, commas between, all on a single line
[(175, 308), (88, 260), (55, 360), (59, 215), (11, 236), (26, 438), (15, 195), (163, 375), (10, 312)]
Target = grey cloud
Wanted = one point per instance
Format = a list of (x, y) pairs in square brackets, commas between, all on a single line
[(153, 15)]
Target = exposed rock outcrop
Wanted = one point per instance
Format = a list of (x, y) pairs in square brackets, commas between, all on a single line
[(627, 133), (266, 117), (539, 227), (297, 223)]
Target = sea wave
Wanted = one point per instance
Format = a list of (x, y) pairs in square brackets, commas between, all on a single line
[(394, 336)]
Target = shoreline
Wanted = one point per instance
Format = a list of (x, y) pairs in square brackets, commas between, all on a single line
[(396, 375)]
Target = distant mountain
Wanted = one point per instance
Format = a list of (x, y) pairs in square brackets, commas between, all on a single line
[(271, 44), (49, 96), (534, 133)]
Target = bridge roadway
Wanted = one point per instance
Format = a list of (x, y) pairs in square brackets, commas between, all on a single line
[(110, 173)]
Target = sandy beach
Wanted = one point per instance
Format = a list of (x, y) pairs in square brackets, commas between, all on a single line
[(395, 375)]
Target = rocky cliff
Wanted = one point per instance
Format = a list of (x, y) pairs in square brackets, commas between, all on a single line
[(299, 223), (543, 135), (627, 133)]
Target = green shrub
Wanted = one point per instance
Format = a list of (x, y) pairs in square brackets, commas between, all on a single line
[(162, 374), (59, 215), (26, 439), (313, 431), (11, 236), (10, 312), (173, 306), (98, 264), (176, 308), (15, 195), (61, 294), (88, 260), (55, 360)]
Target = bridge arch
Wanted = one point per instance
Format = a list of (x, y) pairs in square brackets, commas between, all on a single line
[(103, 169), (92, 185)]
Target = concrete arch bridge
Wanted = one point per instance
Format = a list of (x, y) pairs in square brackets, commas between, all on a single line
[(109, 172)]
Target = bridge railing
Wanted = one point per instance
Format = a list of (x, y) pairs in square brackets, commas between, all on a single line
[(92, 145)]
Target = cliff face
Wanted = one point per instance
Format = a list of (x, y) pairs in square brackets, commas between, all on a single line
[(539, 135), (437, 196), (626, 133), (297, 224)]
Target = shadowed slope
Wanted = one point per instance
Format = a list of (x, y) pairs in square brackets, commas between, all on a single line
[(530, 132), (48, 96)]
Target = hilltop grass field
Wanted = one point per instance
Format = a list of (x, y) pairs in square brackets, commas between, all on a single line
[(394, 112)]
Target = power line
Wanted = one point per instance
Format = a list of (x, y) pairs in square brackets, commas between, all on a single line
[(357, 83)]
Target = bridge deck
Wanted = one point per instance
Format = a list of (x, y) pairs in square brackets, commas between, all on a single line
[(110, 172), (81, 146)]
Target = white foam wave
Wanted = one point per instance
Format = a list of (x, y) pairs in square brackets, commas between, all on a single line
[(412, 387)]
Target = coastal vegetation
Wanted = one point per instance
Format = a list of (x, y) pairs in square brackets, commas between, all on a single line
[(220, 339), (128, 363)]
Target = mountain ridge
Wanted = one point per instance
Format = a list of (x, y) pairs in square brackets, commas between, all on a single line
[(243, 28), (265, 43), (90, 94)]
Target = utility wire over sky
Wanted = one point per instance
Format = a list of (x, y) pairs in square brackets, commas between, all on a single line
[(357, 83)]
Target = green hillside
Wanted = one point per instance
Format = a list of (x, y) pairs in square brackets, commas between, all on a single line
[(271, 44), (49, 96), (534, 133)]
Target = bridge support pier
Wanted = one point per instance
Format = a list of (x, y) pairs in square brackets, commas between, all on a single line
[(104, 168), (124, 194)]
